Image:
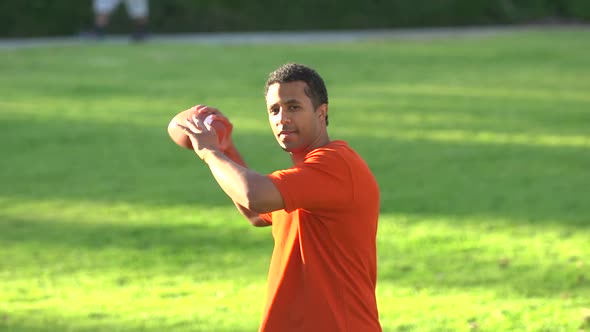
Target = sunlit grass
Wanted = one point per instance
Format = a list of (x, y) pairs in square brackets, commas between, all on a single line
[(480, 146), (486, 137)]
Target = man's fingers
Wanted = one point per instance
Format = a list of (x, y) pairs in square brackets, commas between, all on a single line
[(186, 129), (194, 124), (203, 109), (198, 123), (214, 112), (217, 116), (189, 128)]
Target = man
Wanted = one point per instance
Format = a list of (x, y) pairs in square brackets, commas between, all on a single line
[(138, 11), (323, 210)]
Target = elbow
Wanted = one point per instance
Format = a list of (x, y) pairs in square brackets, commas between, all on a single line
[(260, 195), (258, 203), (256, 208), (259, 206), (259, 222)]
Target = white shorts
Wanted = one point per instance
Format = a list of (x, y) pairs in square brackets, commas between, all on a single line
[(135, 8)]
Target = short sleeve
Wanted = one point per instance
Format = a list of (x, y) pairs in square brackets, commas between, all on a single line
[(323, 180)]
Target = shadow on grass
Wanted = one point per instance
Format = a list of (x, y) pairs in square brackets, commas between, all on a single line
[(108, 163), (114, 163), (511, 182)]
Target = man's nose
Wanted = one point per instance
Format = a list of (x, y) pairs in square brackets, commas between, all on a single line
[(284, 116)]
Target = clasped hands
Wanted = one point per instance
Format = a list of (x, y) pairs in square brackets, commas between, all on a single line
[(203, 135)]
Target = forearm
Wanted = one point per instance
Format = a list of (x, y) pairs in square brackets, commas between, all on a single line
[(245, 187), (232, 177)]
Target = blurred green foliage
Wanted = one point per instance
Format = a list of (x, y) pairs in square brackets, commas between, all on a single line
[(49, 18)]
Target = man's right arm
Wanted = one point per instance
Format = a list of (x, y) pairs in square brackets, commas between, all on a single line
[(230, 151)]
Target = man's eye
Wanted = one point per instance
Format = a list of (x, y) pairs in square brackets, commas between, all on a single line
[(274, 111), (293, 107)]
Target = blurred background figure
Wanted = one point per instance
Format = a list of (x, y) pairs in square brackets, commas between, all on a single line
[(137, 10)]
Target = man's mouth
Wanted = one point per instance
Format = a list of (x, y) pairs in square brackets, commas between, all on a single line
[(286, 132)]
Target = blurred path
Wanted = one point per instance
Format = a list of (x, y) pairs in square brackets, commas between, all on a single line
[(293, 37)]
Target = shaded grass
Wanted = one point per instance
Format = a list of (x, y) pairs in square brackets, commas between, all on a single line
[(481, 149)]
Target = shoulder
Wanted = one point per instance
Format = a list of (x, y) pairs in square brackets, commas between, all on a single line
[(339, 157), (334, 148), (338, 152)]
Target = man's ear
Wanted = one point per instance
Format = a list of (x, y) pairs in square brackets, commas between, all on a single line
[(323, 111)]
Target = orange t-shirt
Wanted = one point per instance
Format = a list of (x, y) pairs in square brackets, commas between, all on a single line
[(323, 269)]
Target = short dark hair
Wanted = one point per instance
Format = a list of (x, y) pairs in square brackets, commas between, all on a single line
[(291, 72)]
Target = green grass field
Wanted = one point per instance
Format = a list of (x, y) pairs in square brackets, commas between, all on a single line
[(481, 146)]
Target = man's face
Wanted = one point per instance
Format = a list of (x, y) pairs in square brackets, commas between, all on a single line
[(297, 126)]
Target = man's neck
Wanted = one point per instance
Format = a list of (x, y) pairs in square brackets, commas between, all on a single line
[(299, 156)]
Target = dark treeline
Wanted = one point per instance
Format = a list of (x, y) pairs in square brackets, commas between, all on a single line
[(26, 18)]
